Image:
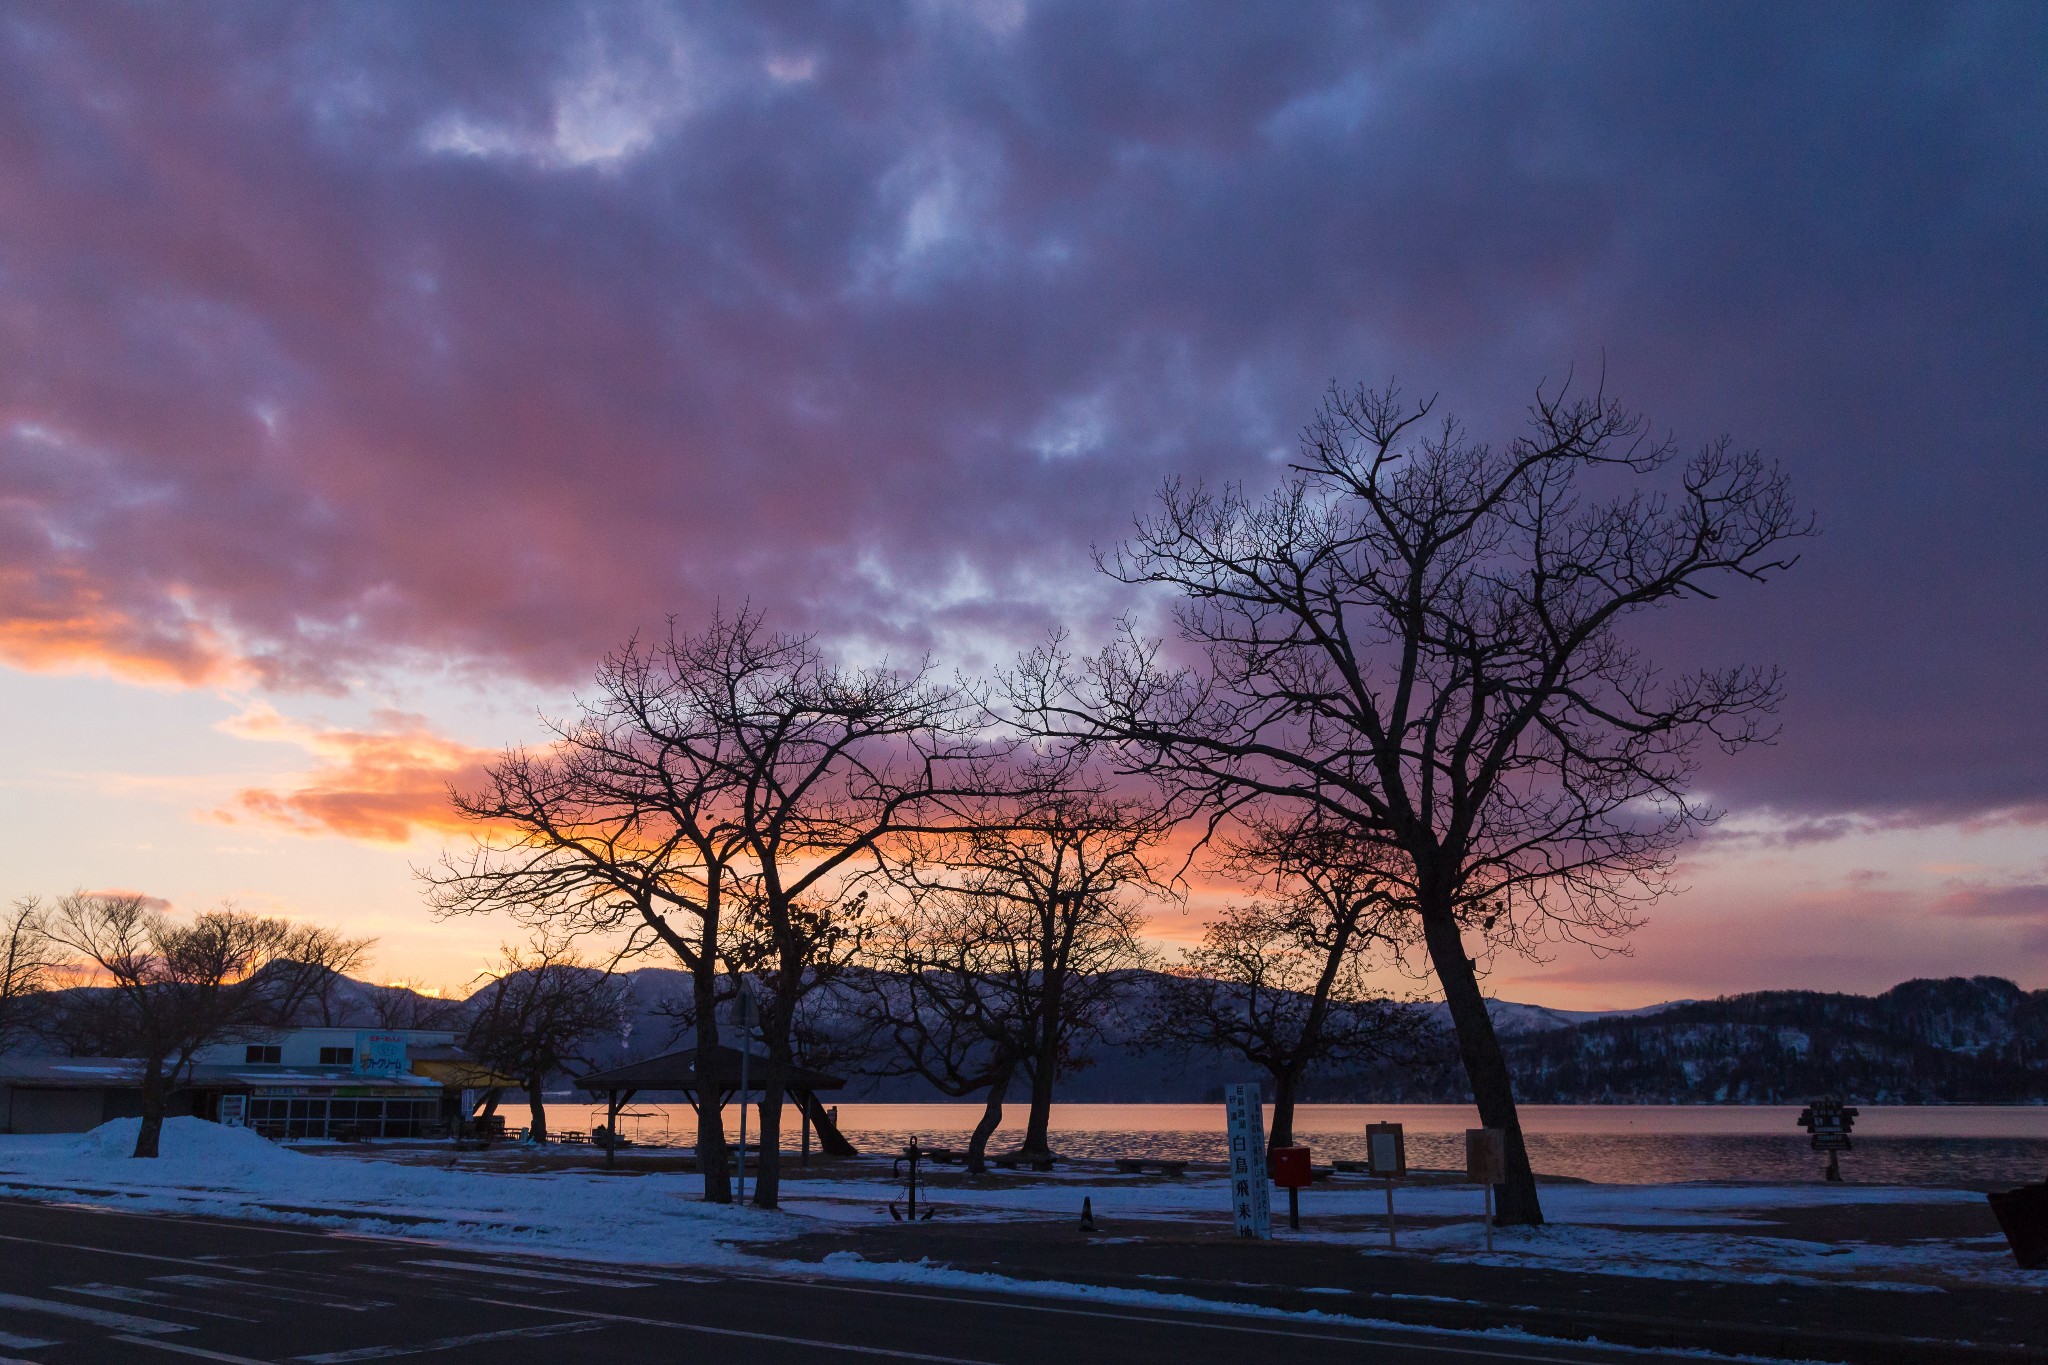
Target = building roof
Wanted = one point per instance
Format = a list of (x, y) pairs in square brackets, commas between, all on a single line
[(95, 1073), (679, 1071)]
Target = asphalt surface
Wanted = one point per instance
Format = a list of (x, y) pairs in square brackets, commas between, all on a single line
[(82, 1285)]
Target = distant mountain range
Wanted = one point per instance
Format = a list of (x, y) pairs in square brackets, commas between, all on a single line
[(1975, 1040)]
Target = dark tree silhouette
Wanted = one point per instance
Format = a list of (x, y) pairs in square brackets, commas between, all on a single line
[(629, 822), (28, 957), (531, 1018), (1269, 983), (165, 989), (1282, 981), (1046, 888), (735, 773), (1421, 637)]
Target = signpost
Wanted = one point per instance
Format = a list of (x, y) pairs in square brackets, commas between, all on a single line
[(1386, 1156), (1250, 1197), (749, 1012), (234, 1111), (1828, 1121), (1486, 1163)]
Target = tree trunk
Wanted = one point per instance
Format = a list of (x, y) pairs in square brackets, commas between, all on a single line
[(153, 1097), (1486, 1067), (1286, 1082), (1044, 1070), (991, 1119), (711, 1159), (768, 1183), (537, 1109)]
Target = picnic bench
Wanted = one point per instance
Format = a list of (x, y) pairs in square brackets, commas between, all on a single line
[(1131, 1165), (1013, 1160)]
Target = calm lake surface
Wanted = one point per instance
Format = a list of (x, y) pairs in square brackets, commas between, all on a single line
[(1616, 1144)]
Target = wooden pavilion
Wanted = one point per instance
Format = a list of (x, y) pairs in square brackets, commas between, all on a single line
[(718, 1074)]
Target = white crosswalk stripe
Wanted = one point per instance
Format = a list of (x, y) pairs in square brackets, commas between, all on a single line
[(551, 1276), (99, 1317)]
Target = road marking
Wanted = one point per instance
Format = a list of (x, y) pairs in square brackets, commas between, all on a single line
[(99, 1317), (25, 1343), (284, 1294), (546, 1329), (199, 1351), (846, 1347), (131, 1255), (552, 1277), (128, 1294), (1209, 1318)]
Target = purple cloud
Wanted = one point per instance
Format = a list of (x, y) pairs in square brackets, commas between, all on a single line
[(337, 337)]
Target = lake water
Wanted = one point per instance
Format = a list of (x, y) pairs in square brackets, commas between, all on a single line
[(1619, 1144)]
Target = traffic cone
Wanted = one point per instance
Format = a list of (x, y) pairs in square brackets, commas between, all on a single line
[(1087, 1214)]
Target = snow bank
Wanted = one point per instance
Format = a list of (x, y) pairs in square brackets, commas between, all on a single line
[(187, 1141)]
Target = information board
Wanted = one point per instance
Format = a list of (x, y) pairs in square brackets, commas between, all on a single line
[(234, 1111), (1486, 1156), (1250, 1196)]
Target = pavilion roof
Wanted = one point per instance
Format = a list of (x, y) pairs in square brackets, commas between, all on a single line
[(681, 1071)]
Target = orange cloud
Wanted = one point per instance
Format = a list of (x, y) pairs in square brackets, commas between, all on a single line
[(54, 619), (380, 786)]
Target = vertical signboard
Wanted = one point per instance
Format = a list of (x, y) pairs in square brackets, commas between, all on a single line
[(380, 1054), (234, 1111), (1250, 1198)]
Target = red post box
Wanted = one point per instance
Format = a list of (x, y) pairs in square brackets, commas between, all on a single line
[(1289, 1167), (1291, 1172)]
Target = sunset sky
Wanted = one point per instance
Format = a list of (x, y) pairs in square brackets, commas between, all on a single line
[(367, 370)]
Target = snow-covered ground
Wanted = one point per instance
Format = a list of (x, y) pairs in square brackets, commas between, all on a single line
[(231, 1172), (1678, 1231)]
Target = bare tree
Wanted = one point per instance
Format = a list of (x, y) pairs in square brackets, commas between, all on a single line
[(1049, 886), (406, 1005), (166, 989), (1421, 637), (952, 996), (831, 766), (734, 773), (628, 824), (531, 1018), (1282, 981), (308, 975), (1274, 982), (27, 958)]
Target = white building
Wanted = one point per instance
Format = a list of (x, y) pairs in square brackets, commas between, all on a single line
[(294, 1083)]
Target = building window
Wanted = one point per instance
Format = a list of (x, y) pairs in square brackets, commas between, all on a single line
[(260, 1054), (337, 1056)]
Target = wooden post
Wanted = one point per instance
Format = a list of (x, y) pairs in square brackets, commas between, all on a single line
[(803, 1104), (611, 1124), (1489, 1220), (1390, 1214)]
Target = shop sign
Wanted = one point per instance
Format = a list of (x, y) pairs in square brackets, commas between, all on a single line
[(380, 1054)]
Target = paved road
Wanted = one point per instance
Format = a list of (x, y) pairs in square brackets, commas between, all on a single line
[(79, 1285)]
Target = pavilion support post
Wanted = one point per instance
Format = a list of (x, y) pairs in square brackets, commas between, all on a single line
[(611, 1128), (830, 1140)]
